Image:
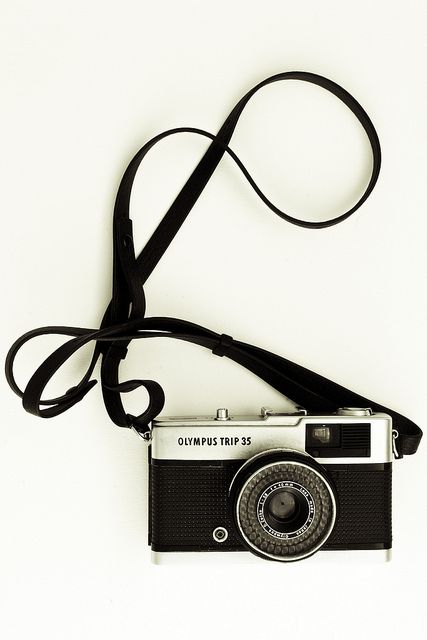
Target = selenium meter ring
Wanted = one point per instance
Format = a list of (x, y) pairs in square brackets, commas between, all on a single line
[(284, 505)]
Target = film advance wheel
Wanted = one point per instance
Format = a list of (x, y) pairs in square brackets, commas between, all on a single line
[(284, 505)]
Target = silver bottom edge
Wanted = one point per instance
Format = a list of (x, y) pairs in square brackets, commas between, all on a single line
[(245, 557)]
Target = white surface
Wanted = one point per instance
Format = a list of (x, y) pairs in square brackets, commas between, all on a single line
[(83, 85), (325, 559)]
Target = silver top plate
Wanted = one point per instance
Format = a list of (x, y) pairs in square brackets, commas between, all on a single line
[(241, 437)]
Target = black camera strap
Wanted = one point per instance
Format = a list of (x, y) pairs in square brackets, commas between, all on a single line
[(124, 319)]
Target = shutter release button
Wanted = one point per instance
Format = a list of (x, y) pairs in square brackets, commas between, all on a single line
[(354, 411), (222, 414)]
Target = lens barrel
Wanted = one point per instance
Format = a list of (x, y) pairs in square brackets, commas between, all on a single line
[(284, 505)]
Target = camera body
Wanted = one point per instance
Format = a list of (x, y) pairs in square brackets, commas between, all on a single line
[(282, 486)]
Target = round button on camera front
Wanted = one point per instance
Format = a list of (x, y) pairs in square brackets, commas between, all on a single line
[(220, 534)]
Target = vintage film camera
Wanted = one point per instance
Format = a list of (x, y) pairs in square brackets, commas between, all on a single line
[(282, 486)]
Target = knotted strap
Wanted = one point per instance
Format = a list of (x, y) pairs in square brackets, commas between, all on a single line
[(124, 319)]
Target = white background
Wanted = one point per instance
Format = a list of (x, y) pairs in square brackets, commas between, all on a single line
[(83, 86)]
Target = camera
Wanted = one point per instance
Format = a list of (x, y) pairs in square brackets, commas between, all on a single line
[(282, 486)]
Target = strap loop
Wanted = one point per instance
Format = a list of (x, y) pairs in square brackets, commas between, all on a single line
[(223, 346)]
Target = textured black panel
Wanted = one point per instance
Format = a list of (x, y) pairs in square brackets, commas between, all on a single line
[(364, 507), (189, 502)]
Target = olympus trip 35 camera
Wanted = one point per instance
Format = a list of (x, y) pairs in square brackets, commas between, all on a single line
[(277, 486), (282, 486)]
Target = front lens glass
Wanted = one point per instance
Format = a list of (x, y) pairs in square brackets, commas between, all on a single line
[(282, 505), (285, 508)]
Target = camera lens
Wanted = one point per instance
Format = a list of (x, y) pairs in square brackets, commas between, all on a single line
[(284, 505)]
